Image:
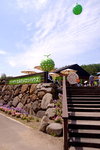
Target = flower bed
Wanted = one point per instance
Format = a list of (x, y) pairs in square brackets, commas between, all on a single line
[(16, 112)]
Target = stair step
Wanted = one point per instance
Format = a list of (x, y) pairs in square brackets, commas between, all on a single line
[(84, 122), (85, 131), (83, 102), (83, 110), (84, 144), (83, 148), (84, 106), (80, 92), (84, 126), (86, 140), (84, 118), (72, 95), (87, 114), (84, 98), (84, 135), (90, 108)]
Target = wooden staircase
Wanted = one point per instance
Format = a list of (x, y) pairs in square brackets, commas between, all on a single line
[(84, 118)]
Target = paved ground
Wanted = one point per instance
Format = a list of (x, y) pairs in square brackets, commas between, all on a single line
[(16, 136)]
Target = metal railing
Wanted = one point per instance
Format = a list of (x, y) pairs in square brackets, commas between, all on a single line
[(65, 115)]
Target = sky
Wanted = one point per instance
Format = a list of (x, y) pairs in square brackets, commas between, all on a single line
[(30, 29)]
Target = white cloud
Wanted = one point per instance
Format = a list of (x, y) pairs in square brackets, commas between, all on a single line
[(29, 26), (2, 52), (12, 62), (28, 5), (61, 33)]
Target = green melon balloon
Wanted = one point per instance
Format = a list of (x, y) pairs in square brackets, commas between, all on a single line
[(77, 10), (47, 64)]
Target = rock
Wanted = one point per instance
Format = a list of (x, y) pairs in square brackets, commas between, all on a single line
[(33, 97), (20, 96), (4, 88), (39, 86), (40, 113), (2, 102), (9, 87), (24, 99), (1, 93), (28, 108), (0, 88), (41, 94), (20, 105), (35, 106), (46, 85), (43, 126), (47, 98), (50, 105), (9, 104), (15, 101), (54, 129), (28, 100), (44, 123), (6, 98), (50, 112), (7, 93), (17, 91), (45, 118), (48, 90), (16, 86), (33, 88), (24, 88)]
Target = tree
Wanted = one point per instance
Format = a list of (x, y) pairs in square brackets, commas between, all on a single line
[(3, 76), (92, 68)]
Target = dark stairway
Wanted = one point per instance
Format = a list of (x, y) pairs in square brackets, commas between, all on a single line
[(84, 118)]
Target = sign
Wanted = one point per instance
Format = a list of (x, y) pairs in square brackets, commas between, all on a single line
[(25, 80), (72, 78)]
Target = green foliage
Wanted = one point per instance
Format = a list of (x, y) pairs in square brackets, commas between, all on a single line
[(53, 134), (28, 119), (58, 106), (23, 117), (92, 68), (3, 76), (58, 119), (37, 120)]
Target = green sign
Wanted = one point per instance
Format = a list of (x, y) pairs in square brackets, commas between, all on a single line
[(25, 80), (59, 78)]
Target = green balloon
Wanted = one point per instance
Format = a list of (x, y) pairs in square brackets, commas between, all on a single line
[(47, 64), (77, 9)]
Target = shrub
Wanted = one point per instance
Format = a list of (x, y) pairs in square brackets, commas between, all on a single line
[(58, 119)]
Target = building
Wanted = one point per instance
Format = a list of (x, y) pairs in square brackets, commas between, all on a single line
[(80, 71)]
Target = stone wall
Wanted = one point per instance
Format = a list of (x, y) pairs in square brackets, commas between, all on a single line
[(36, 99)]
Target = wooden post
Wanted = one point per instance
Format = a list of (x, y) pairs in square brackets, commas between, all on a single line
[(65, 132), (46, 77), (65, 114)]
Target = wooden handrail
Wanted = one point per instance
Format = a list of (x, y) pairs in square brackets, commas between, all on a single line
[(65, 114), (64, 102)]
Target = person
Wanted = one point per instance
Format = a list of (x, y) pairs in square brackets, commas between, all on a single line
[(85, 83), (99, 80), (91, 80), (50, 79)]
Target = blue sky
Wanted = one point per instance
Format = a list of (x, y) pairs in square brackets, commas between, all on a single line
[(29, 29)]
